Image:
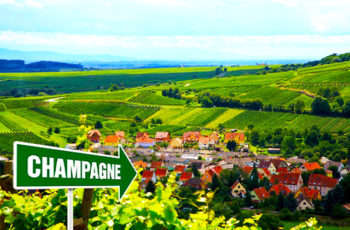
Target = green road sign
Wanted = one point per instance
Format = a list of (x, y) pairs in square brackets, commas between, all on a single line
[(45, 167)]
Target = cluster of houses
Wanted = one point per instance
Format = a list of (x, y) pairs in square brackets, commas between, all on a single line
[(284, 176), (144, 140)]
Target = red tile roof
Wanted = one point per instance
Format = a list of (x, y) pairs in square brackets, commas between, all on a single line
[(147, 174), (180, 168), (282, 170), (156, 164), (261, 193), (285, 178), (247, 169), (185, 176), (279, 188), (217, 169), (267, 172), (312, 166), (161, 172), (322, 181)]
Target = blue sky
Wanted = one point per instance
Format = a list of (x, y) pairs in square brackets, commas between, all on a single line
[(179, 29)]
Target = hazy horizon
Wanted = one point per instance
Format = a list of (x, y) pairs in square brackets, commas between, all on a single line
[(178, 29)]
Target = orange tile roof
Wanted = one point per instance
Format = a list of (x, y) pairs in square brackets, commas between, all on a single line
[(312, 194), (312, 166), (238, 137), (295, 170), (113, 139), (140, 164), (204, 140)]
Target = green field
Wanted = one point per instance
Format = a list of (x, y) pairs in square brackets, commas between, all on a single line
[(118, 109)]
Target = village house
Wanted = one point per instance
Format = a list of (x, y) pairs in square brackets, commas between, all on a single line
[(94, 136), (279, 163), (175, 143), (293, 181), (269, 165), (156, 164), (195, 183), (191, 137), (277, 189), (180, 169), (111, 140), (264, 172), (121, 136), (185, 176), (140, 164), (259, 194), (208, 175), (322, 183), (309, 166), (330, 163), (214, 138), (237, 189), (274, 150), (162, 137), (310, 194), (282, 170), (148, 175), (161, 173), (305, 204), (233, 136), (144, 141), (203, 142)]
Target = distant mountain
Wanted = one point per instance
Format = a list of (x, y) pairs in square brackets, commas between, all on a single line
[(34, 56), (41, 66)]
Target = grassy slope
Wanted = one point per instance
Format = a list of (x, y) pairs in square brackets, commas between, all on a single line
[(148, 102)]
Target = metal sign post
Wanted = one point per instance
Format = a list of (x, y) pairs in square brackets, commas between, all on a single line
[(70, 215), (46, 167)]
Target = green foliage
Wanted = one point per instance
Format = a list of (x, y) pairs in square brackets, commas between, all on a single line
[(149, 97), (320, 106), (7, 139), (2, 107), (231, 145), (107, 109)]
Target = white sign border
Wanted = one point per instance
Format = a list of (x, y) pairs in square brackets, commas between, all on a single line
[(67, 150)]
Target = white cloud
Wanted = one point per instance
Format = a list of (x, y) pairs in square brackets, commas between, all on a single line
[(19, 3)]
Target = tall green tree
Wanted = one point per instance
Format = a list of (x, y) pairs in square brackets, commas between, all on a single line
[(290, 202), (299, 106)]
